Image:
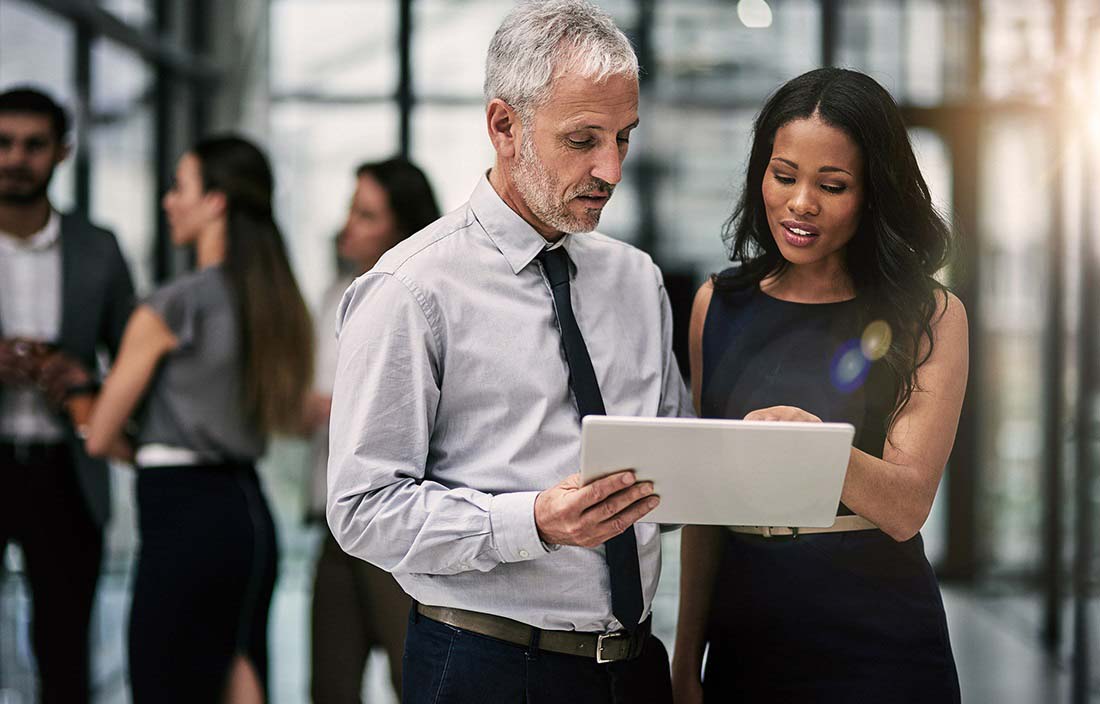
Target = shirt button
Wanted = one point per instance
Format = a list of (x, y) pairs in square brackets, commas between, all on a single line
[(524, 553)]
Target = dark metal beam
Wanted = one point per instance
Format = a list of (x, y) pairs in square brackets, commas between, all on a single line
[(405, 77), (82, 72), (1053, 371), (963, 555), (1084, 488), (1088, 340), (157, 49), (830, 31), (647, 174)]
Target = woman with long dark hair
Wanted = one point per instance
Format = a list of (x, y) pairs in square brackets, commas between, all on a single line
[(831, 313), (213, 363), (357, 606)]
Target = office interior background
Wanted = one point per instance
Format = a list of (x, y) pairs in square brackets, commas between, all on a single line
[(1002, 98)]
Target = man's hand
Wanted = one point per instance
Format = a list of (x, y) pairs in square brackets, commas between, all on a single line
[(789, 413), (19, 359), (58, 373), (588, 516)]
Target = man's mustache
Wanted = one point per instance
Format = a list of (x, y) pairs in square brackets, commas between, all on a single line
[(594, 186), (20, 174)]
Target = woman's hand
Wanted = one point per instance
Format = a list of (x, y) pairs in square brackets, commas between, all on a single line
[(788, 413), (687, 687)]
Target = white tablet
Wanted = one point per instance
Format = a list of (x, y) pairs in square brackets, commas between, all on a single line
[(725, 472)]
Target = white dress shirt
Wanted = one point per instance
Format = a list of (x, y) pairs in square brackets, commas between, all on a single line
[(451, 410), (30, 306)]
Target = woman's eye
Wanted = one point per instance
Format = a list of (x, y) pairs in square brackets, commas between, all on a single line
[(786, 180), (832, 188)]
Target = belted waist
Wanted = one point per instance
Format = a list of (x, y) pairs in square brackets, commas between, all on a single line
[(841, 525), (604, 647)]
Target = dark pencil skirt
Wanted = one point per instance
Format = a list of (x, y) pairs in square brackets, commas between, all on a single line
[(841, 617), (204, 577)]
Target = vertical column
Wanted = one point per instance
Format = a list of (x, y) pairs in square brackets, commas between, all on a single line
[(404, 79), (962, 479), (82, 71), (830, 31), (1085, 479), (162, 246), (1053, 370), (646, 170)]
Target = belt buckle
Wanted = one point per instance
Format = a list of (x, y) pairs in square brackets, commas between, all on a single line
[(600, 659)]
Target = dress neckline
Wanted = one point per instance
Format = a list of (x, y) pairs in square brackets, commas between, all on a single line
[(768, 296)]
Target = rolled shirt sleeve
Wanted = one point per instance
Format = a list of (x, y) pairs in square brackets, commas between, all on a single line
[(382, 505)]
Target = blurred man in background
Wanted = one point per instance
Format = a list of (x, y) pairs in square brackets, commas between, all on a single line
[(65, 294)]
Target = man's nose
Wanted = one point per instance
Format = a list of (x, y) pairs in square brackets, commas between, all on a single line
[(13, 154), (609, 164)]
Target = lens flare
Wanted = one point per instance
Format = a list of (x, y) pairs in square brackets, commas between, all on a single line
[(849, 368), (876, 340)]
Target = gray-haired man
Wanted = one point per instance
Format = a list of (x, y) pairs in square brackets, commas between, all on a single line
[(467, 357)]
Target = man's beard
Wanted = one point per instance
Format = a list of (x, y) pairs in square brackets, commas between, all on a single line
[(27, 192), (538, 187)]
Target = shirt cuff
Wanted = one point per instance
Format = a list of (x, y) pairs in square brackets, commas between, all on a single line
[(512, 519)]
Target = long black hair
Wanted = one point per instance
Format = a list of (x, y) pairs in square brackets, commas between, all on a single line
[(901, 240), (411, 198), (276, 335)]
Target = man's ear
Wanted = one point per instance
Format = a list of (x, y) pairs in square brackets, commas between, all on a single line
[(63, 153), (504, 128)]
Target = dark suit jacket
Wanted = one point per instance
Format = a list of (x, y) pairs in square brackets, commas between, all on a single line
[(97, 297)]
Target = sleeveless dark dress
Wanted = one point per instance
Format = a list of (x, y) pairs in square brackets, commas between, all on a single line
[(835, 617)]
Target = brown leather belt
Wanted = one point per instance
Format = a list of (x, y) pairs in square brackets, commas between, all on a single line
[(605, 647), (841, 525)]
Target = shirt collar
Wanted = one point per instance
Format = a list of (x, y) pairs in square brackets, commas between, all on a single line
[(40, 241), (513, 236)]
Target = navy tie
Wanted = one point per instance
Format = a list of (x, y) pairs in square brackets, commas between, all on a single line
[(621, 552)]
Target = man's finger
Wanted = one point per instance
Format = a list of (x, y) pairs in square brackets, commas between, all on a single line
[(614, 504), (629, 516), (600, 489)]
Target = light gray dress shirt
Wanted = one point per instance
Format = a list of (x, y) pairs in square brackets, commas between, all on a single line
[(30, 307), (452, 410)]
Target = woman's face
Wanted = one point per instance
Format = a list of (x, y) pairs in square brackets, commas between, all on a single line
[(813, 191), (371, 228), (187, 206)]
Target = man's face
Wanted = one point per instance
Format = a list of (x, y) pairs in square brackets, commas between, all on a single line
[(572, 150), (29, 153)]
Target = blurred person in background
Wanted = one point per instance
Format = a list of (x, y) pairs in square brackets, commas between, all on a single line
[(357, 606), (211, 364), (65, 295), (831, 314)]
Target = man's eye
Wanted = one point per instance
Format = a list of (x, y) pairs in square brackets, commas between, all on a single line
[(578, 143)]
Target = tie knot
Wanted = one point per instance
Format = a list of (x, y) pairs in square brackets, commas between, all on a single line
[(556, 263)]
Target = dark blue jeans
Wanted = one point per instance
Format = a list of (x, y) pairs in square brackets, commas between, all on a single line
[(447, 665)]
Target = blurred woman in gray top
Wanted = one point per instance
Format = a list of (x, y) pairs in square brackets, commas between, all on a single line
[(357, 606), (209, 366)]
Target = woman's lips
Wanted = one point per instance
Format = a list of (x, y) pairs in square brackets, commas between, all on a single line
[(799, 235)]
